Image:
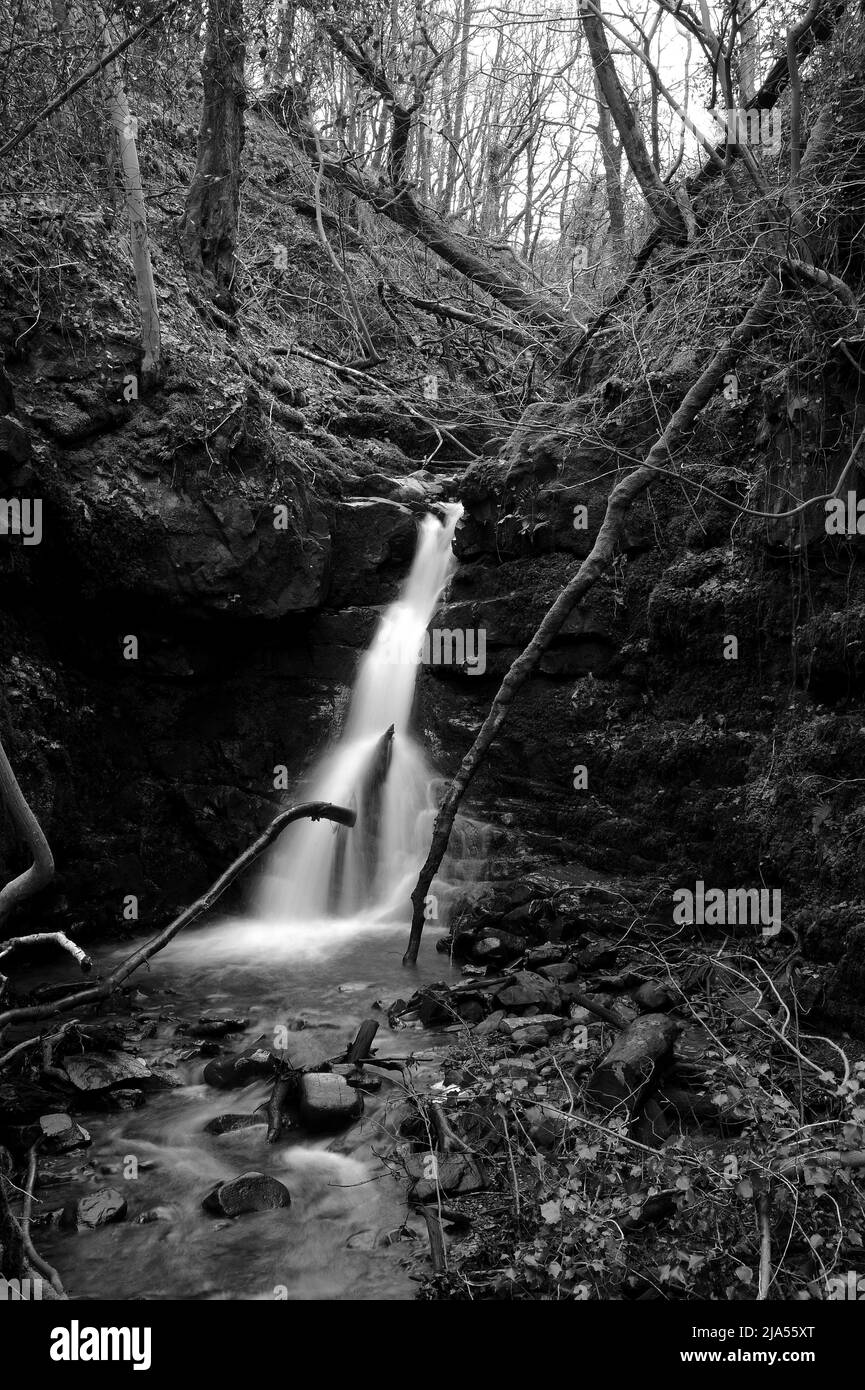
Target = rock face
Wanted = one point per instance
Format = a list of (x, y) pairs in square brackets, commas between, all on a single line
[(248, 1192), (327, 1102)]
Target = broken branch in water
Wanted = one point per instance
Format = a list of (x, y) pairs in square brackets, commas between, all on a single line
[(310, 810)]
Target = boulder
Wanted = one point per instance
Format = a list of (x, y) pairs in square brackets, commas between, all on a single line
[(490, 1024), (228, 1124), (532, 1032), (493, 947), (254, 1064), (451, 1174), (99, 1071), (526, 990), (327, 1101), (61, 1133), (100, 1208), (653, 997), (562, 972), (156, 1214), (248, 1192)]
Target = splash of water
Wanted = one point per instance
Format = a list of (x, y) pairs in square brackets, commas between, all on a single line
[(318, 871)]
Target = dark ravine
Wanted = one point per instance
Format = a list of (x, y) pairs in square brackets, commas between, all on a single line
[(183, 643)]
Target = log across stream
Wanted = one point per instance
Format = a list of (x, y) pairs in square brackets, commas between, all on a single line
[(333, 1241)]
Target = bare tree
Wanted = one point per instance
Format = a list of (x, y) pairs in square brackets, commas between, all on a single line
[(210, 220), (124, 125)]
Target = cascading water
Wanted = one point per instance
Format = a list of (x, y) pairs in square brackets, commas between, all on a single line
[(318, 871)]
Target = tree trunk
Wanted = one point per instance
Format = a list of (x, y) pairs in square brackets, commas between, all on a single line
[(657, 195), (611, 153), (125, 128), (459, 107), (618, 505), (210, 222), (623, 1078), (41, 870)]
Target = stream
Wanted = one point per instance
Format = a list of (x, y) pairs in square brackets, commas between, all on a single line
[(329, 1244)]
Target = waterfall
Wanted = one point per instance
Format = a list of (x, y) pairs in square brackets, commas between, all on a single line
[(317, 870)]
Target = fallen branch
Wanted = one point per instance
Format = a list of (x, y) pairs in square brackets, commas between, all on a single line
[(764, 1278), (23, 1047), (312, 810), (624, 1076)]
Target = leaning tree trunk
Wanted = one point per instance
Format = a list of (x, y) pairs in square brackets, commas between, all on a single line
[(210, 220), (618, 505), (125, 129), (657, 195), (41, 871)]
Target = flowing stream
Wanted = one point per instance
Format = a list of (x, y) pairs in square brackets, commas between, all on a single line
[(322, 944)]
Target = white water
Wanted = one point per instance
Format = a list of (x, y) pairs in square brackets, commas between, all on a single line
[(319, 873)]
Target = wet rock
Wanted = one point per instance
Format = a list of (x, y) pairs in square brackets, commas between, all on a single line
[(254, 1064), (61, 1133), (358, 1078), (490, 1024), (452, 1174), (100, 1208), (362, 1240), (526, 990), (562, 972), (127, 1098), (532, 1032), (327, 1101), (653, 997), (153, 1214), (228, 1124), (372, 539), (549, 954), (248, 1192), (493, 947), (599, 955), (208, 1027), (99, 1071)]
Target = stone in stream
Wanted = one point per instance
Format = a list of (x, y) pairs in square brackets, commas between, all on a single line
[(98, 1209), (209, 1027), (327, 1101), (98, 1071), (228, 1124), (248, 1192), (61, 1133), (147, 1218), (254, 1064)]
